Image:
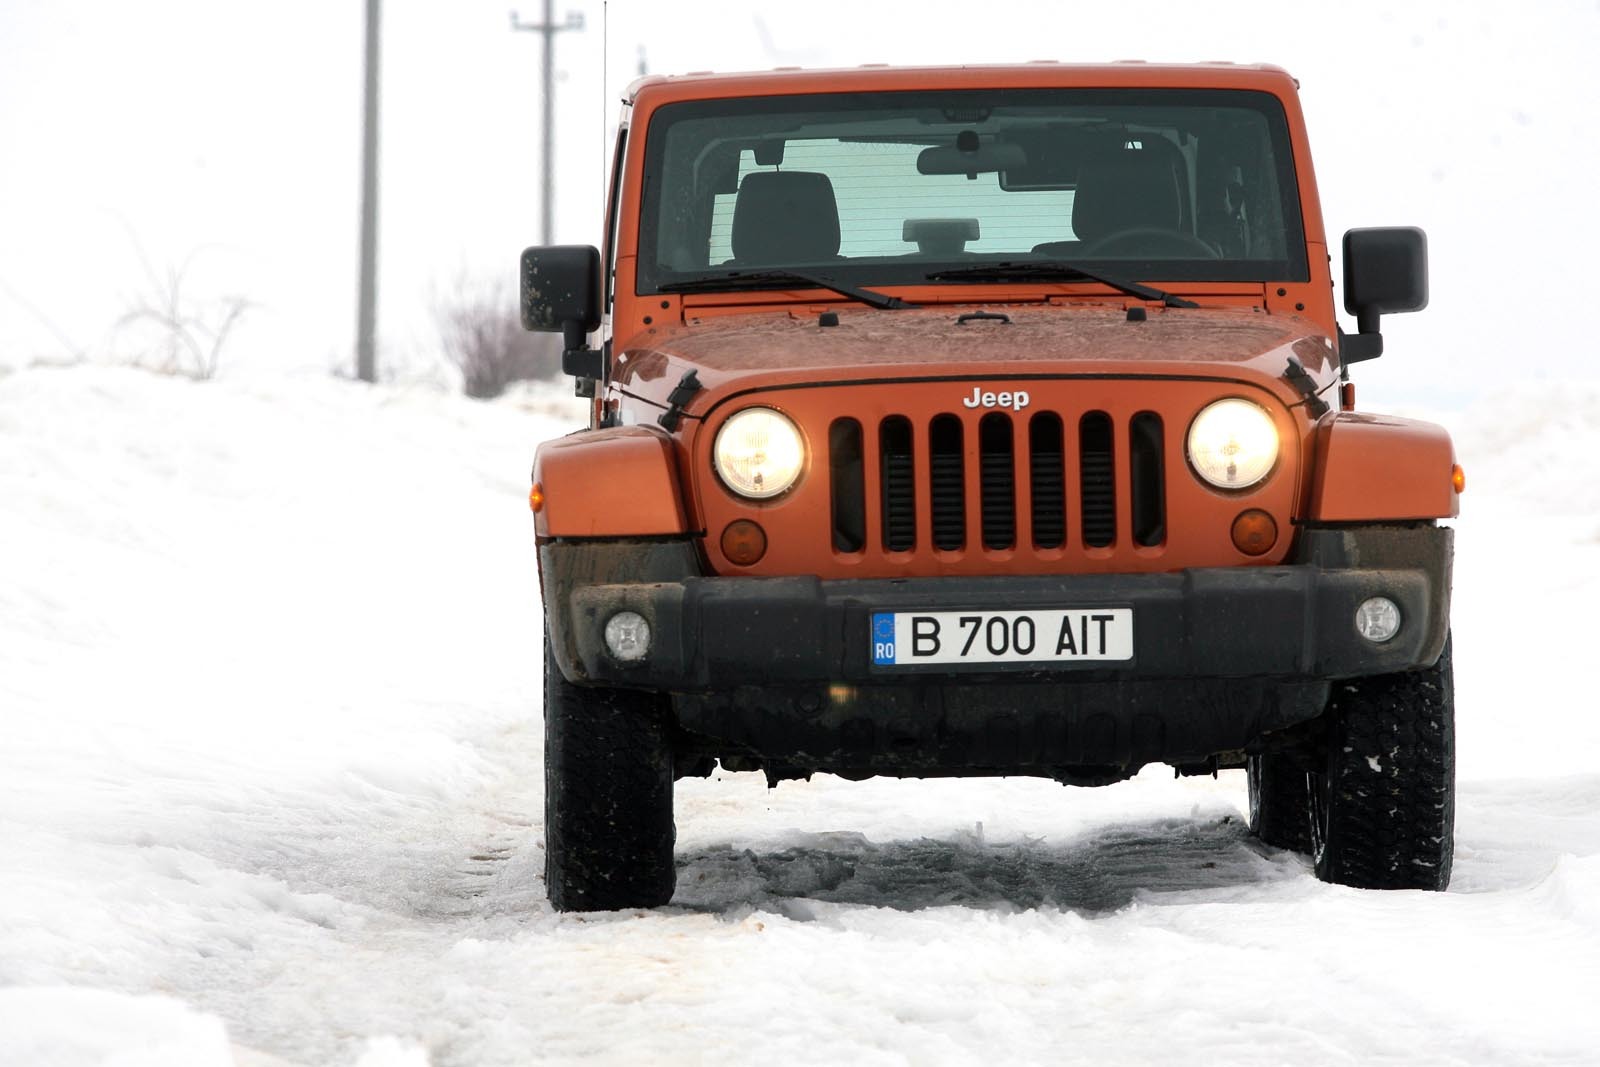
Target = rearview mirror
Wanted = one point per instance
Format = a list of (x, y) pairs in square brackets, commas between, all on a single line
[(1385, 270), (985, 158), (561, 291)]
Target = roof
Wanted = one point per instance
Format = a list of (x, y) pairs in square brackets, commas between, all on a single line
[(1126, 74)]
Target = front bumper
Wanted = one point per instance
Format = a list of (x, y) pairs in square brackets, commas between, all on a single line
[(1290, 621), (785, 665)]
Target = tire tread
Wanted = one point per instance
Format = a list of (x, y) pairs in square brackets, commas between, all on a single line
[(1281, 816), (609, 832), (1390, 786)]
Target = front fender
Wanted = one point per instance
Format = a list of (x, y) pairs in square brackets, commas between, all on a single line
[(616, 482), (1379, 468)]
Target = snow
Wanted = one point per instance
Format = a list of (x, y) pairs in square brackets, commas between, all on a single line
[(270, 792), (63, 1025)]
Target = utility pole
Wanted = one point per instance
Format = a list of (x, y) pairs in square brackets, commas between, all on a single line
[(549, 28), (367, 309)]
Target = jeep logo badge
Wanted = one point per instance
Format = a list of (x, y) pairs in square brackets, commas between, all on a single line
[(979, 399)]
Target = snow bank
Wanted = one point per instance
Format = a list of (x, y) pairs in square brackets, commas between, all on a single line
[(1531, 449)]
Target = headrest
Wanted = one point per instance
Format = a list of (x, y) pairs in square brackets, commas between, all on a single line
[(1128, 189), (785, 216), (952, 233)]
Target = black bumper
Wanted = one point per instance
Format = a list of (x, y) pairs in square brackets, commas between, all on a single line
[(1220, 655)]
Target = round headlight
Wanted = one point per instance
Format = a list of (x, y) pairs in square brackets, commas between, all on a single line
[(1233, 444), (758, 453)]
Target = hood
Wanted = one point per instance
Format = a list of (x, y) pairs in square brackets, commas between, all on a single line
[(770, 349)]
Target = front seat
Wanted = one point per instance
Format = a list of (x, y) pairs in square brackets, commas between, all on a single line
[(785, 217), (1127, 189)]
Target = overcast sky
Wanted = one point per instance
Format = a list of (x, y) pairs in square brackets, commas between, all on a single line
[(227, 136)]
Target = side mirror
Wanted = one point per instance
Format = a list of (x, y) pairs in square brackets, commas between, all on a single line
[(561, 294), (1385, 271)]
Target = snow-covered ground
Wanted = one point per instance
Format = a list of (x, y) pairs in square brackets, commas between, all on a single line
[(270, 792)]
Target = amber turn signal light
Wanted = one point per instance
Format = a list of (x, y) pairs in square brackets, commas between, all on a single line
[(743, 542), (1458, 478), (1254, 532), (536, 497)]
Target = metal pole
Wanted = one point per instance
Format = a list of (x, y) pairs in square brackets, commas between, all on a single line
[(366, 312), (548, 150)]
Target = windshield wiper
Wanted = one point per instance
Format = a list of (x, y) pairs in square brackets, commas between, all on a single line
[(1024, 269), (766, 279)]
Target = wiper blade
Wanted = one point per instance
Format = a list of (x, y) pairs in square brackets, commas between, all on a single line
[(731, 280), (1049, 268)]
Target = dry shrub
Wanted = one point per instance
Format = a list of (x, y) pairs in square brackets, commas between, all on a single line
[(481, 331), (173, 333)]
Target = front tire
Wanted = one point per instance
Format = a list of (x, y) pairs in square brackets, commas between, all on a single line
[(1382, 813), (607, 796)]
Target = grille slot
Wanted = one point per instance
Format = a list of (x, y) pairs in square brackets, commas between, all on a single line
[(997, 473), (1148, 493), (847, 477), (1047, 480), (1097, 480), (947, 491), (899, 484)]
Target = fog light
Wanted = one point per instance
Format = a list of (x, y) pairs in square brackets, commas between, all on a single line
[(1378, 619), (628, 636)]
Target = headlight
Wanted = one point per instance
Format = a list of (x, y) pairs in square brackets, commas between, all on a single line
[(1233, 444), (759, 453)]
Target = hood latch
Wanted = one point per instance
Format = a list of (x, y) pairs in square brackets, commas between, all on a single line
[(680, 396), (1297, 376)]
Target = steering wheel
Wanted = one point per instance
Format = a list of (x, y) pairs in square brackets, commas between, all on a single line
[(1151, 240)]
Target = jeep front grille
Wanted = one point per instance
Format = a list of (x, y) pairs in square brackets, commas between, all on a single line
[(937, 499)]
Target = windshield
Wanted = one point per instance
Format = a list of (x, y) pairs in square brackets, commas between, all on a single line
[(888, 188)]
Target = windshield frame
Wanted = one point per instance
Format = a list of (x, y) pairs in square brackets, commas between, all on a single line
[(881, 272)]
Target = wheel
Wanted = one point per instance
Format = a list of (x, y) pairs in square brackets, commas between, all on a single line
[(607, 796), (1280, 801), (1151, 241), (1383, 809)]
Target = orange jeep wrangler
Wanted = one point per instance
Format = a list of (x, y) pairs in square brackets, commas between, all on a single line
[(986, 421)]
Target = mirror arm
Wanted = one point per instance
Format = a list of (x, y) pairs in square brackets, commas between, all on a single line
[(577, 358), (1356, 347)]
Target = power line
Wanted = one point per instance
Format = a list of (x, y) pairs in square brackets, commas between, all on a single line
[(549, 28)]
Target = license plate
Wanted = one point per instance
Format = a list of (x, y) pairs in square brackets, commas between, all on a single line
[(1069, 635)]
